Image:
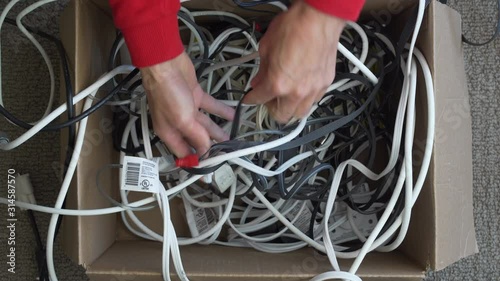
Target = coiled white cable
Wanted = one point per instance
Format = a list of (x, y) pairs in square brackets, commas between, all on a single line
[(39, 47), (45, 57), (124, 69)]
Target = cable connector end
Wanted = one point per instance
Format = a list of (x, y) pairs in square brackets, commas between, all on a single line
[(4, 138), (24, 189), (165, 163), (188, 161), (223, 178)]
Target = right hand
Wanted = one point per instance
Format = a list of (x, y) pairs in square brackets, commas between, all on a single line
[(175, 99), (298, 55)]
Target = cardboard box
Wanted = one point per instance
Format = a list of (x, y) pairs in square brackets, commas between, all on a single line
[(442, 228)]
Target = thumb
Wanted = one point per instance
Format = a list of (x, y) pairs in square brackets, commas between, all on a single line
[(261, 94), (260, 84)]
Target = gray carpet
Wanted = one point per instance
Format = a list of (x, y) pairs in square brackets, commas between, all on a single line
[(25, 74)]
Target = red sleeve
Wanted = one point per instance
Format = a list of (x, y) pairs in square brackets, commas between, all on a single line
[(344, 9), (150, 29)]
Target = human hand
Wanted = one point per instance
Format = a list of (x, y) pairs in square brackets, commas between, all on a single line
[(175, 99), (297, 61)]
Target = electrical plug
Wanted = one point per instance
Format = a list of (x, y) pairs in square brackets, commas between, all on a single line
[(165, 163), (4, 138), (24, 189), (223, 178)]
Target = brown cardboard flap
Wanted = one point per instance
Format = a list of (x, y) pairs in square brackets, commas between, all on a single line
[(419, 241), (143, 259), (455, 234), (442, 227), (86, 34)]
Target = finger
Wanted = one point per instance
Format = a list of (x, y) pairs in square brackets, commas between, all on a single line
[(196, 135), (283, 108), (320, 94), (261, 74), (257, 79), (174, 141), (260, 94), (213, 106), (215, 132), (304, 106)]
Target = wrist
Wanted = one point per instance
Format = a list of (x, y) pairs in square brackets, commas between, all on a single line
[(314, 16), (155, 41), (154, 74), (162, 72)]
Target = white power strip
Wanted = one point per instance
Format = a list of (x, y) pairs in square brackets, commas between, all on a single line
[(345, 233)]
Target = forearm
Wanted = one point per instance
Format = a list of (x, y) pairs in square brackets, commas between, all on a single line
[(150, 29)]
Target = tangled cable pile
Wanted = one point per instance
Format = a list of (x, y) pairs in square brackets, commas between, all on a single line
[(340, 180), (307, 183)]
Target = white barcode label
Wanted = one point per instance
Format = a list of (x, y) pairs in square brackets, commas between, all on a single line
[(199, 220), (139, 174), (304, 219), (132, 174)]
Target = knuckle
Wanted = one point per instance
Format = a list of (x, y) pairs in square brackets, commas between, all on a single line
[(280, 87), (183, 121), (302, 91)]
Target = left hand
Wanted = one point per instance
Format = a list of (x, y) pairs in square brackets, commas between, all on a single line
[(297, 61), (175, 99)]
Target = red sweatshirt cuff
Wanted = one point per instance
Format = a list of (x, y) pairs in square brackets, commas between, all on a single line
[(154, 42), (344, 9)]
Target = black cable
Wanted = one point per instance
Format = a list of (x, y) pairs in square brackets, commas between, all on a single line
[(99, 104), (69, 89), (40, 251), (236, 119), (40, 248), (357, 116), (493, 37), (66, 75), (72, 120), (85, 114), (204, 40), (303, 180), (332, 126), (140, 148), (114, 47)]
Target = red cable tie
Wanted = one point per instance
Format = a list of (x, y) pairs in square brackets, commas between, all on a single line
[(258, 27), (189, 161)]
